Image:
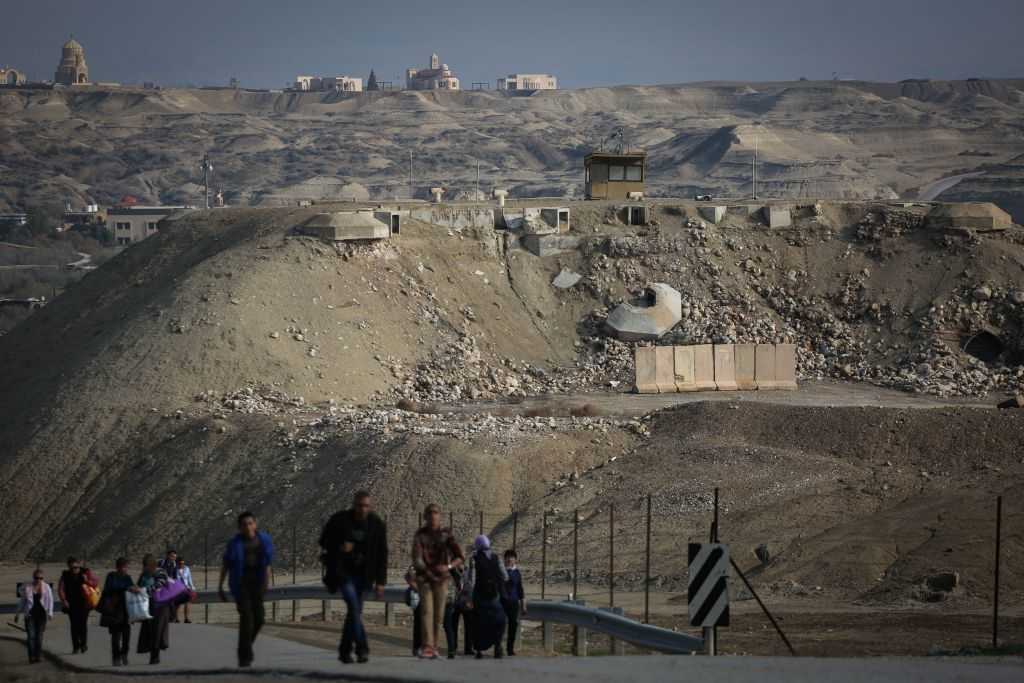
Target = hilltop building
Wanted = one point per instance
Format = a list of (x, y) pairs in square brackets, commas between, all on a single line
[(326, 83), (132, 223), (528, 82), (437, 77), (72, 69), (614, 175), (9, 76)]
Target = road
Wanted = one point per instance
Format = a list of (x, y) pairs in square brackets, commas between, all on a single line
[(205, 650), (931, 191)]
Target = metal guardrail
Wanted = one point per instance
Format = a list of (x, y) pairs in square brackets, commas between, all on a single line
[(568, 613)]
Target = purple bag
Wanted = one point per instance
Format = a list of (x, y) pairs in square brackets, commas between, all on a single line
[(169, 593)]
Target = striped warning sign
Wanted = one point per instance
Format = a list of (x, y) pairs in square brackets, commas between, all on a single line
[(708, 593)]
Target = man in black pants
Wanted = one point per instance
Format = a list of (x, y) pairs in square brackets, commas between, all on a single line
[(247, 560), (355, 553), (514, 598), (72, 598)]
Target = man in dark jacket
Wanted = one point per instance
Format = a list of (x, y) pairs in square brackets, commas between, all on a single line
[(355, 553), (247, 566)]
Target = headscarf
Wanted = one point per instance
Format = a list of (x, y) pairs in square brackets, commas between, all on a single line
[(482, 543)]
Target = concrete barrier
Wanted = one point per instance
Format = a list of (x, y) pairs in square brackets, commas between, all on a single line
[(715, 214), (764, 367), (725, 367), (778, 216), (703, 367), (684, 370), (785, 366), (664, 369), (646, 372), (745, 367)]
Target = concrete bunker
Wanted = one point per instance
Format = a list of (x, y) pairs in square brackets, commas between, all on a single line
[(347, 226), (649, 317)]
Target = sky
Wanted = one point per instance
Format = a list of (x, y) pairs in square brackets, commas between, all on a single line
[(266, 43)]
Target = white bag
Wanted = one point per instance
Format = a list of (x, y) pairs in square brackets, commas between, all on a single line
[(138, 606)]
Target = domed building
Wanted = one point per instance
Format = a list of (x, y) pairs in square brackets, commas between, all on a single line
[(72, 69)]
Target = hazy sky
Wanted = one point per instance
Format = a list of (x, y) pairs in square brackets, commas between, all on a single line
[(265, 43)]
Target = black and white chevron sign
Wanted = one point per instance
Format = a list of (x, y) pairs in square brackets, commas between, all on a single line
[(708, 593)]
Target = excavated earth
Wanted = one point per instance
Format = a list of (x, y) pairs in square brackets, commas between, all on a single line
[(228, 363)]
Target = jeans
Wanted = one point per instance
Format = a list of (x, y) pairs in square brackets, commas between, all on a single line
[(120, 637), (250, 616), (353, 589), (432, 599), (78, 617), (34, 627)]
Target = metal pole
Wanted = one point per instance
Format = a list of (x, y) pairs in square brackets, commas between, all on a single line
[(995, 598), (753, 184), (206, 575), (515, 528), (647, 567), (411, 196), (611, 555), (711, 632), (575, 552), (481, 522), (477, 196), (543, 555), (765, 609), (295, 603)]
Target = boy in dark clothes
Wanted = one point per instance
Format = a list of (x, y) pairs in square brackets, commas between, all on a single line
[(514, 599)]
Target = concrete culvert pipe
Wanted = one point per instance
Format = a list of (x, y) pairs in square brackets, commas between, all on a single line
[(983, 345)]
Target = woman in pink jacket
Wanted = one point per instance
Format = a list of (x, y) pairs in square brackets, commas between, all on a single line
[(37, 606)]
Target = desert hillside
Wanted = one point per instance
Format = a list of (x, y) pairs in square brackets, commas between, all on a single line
[(835, 139), (228, 362)]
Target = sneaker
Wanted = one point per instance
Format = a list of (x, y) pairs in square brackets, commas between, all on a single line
[(451, 655), (427, 652), (433, 653), (363, 657), (345, 658), (188, 621), (85, 648), (244, 663)]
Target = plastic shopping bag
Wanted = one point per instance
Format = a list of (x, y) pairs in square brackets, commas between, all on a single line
[(138, 606)]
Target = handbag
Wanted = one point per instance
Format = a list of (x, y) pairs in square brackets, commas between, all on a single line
[(111, 610), (168, 593), (138, 606), (91, 595)]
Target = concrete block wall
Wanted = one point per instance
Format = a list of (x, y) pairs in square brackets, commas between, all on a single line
[(719, 367)]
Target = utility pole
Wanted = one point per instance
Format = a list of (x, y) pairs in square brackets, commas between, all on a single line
[(410, 175), (477, 197), (753, 171), (207, 170)]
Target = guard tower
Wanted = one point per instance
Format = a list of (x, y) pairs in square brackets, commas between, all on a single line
[(615, 173)]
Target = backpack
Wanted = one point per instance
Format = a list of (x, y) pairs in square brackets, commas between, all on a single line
[(488, 582)]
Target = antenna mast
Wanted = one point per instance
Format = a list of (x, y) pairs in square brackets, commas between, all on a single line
[(207, 171)]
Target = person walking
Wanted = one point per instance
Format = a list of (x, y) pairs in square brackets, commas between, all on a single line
[(513, 599), (36, 603), (434, 554), (170, 564), (455, 607), (154, 635), (185, 576), (486, 578), (355, 547), (114, 610), (247, 566), (412, 600), (71, 590)]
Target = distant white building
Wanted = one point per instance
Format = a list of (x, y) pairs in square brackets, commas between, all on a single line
[(324, 83), (437, 77), (130, 224), (528, 82)]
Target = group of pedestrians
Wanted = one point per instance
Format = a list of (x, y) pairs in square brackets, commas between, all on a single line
[(484, 591)]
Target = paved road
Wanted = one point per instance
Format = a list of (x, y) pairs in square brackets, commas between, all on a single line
[(932, 190), (198, 649), (825, 393)]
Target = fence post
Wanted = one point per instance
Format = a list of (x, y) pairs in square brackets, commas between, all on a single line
[(481, 522), (995, 589), (647, 567), (543, 555), (515, 528), (206, 575), (295, 566), (575, 552), (612, 642), (710, 633)]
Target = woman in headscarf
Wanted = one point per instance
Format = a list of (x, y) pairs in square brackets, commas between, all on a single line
[(154, 634), (486, 579)]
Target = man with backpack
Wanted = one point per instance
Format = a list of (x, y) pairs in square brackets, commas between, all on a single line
[(355, 556), (487, 578)]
